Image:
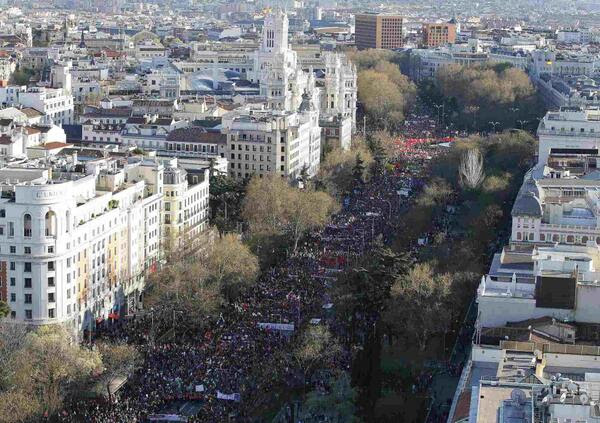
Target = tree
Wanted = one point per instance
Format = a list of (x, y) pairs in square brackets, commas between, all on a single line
[(435, 194), (231, 265), (226, 198), (420, 304), (370, 58), (4, 309), (264, 207), (12, 337), (48, 365), (119, 361), (18, 406), (273, 208), (22, 76), (382, 100), (471, 169), (358, 171), (475, 95), (308, 210), (317, 346), (364, 289), (183, 285), (336, 174)]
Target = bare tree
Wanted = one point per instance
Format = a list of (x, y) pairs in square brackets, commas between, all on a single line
[(119, 361), (317, 346), (470, 171), (46, 367), (12, 338)]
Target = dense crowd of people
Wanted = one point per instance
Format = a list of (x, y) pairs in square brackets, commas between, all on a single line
[(231, 369)]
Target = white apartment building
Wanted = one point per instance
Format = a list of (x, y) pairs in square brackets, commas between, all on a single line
[(77, 238), (16, 138), (553, 250), (562, 283), (7, 67), (73, 249), (553, 62), (185, 211), (265, 141), (570, 130), (56, 104), (149, 132), (574, 36)]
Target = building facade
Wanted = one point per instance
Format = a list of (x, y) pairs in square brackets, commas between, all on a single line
[(78, 238), (374, 30), (437, 34)]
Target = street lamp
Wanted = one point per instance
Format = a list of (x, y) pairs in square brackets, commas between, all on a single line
[(438, 107), (494, 124), (389, 204)]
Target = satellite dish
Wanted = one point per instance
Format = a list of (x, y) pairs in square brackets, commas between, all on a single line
[(518, 396), (584, 398)]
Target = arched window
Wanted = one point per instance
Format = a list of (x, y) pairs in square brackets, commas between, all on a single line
[(570, 239), (542, 237), (68, 225), (519, 236), (531, 236), (584, 239), (27, 225), (50, 223), (555, 238)]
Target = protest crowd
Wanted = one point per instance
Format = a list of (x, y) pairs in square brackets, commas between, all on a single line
[(235, 366)]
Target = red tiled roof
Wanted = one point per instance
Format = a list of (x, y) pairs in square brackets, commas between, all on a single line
[(29, 130), (55, 144), (462, 406), (31, 112)]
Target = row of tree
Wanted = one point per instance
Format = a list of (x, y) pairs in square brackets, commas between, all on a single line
[(486, 97), (276, 216), (418, 297), (384, 93)]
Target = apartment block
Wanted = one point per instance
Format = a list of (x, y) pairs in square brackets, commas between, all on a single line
[(79, 237), (374, 30), (437, 34)]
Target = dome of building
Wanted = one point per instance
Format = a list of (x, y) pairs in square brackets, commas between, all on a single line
[(527, 204)]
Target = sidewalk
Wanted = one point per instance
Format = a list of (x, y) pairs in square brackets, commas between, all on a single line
[(444, 384)]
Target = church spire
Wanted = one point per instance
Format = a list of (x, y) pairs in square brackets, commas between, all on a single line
[(82, 42)]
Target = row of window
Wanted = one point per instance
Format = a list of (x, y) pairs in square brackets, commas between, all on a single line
[(569, 239), (27, 298), (247, 157), (562, 129), (29, 313), (247, 167)]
